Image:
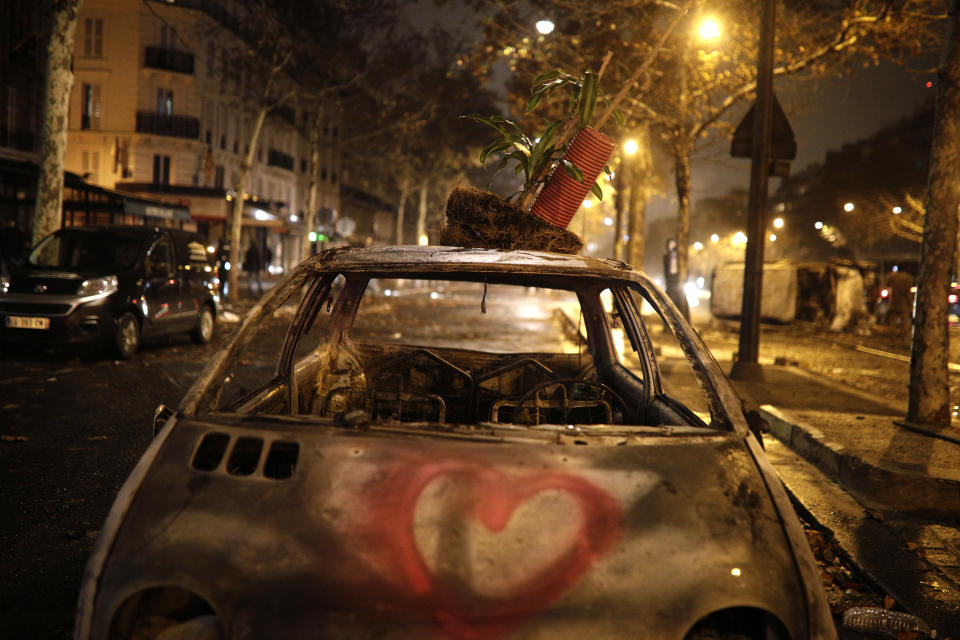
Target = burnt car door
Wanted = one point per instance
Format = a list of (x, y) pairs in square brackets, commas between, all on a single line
[(161, 298)]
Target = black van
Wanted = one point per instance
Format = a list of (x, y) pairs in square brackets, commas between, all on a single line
[(110, 284)]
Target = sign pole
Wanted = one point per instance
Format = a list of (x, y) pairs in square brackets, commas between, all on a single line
[(747, 366)]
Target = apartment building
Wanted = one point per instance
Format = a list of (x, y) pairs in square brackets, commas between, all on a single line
[(158, 110), (21, 96)]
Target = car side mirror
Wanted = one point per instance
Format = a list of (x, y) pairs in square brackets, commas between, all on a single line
[(160, 417)]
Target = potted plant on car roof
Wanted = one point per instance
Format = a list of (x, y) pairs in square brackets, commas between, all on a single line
[(559, 167), (566, 147)]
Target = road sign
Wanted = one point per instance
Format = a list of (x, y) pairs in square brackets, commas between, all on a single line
[(783, 145)]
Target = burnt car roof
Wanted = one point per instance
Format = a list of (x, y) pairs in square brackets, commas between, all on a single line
[(444, 259)]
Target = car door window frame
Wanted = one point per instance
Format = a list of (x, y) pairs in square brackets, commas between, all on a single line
[(165, 243)]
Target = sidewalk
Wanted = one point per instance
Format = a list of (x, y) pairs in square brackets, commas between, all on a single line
[(861, 442), (906, 484)]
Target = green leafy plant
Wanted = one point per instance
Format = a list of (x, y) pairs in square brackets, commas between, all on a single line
[(536, 156)]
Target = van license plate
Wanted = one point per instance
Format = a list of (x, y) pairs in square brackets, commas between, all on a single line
[(21, 322)]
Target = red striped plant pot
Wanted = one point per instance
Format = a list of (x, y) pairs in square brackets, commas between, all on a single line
[(561, 196)]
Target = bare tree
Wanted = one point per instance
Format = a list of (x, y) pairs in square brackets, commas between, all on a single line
[(53, 135), (697, 85), (929, 393)]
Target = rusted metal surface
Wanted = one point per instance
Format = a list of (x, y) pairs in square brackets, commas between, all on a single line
[(430, 537), (311, 512)]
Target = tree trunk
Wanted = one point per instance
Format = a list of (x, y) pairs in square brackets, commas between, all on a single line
[(310, 215), (641, 167), (236, 214), (402, 208), (929, 392), (56, 103), (422, 211), (636, 213), (681, 158)]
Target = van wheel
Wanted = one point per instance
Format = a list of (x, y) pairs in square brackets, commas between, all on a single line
[(126, 336), (203, 331)]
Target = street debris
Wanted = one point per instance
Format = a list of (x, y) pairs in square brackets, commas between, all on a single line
[(892, 624)]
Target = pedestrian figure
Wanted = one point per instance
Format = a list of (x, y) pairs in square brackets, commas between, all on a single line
[(252, 265), (900, 309), (671, 278)]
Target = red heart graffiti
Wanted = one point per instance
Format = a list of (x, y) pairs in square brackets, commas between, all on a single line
[(391, 509)]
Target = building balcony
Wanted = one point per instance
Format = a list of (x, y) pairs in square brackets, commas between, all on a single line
[(169, 60), (279, 159), (21, 140), (163, 125)]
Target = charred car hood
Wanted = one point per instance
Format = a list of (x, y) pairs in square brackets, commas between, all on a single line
[(529, 533)]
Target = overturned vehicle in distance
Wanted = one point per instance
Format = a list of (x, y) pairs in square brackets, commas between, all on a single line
[(456, 444), (830, 293)]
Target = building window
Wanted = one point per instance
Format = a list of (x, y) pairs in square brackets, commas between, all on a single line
[(224, 67), (91, 165), (168, 37), (161, 169), (90, 106), (93, 37), (211, 59), (11, 117), (165, 103), (323, 174), (333, 177), (218, 180)]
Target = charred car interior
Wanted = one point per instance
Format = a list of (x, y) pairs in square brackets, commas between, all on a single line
[(593, 374)]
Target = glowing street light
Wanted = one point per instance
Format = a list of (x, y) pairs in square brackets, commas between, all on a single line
[(698, 246), (714, 238), (778, 223), (544, 27), (848, 207), (587, 204), (773, 237), (709, 29), (897, 211), (818, 225), (630, 147), (608, 222), (739, 238)]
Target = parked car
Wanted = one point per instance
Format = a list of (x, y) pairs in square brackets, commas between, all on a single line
[(456, 443), (110, 285)]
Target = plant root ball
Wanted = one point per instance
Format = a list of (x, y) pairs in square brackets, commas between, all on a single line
[(480, 219)]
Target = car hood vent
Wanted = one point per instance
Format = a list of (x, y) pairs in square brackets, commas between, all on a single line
[(246, 456)]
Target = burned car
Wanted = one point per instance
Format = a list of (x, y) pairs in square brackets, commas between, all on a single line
[(456, 443)]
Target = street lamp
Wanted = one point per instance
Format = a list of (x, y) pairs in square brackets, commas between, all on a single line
[(778, 223), (897, 211), (545, 27), (630, 147), (714, 238), (709, 29), (848, 207)]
